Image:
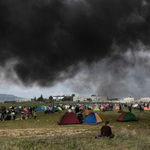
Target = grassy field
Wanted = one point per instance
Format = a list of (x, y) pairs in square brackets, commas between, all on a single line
[(44, 133)]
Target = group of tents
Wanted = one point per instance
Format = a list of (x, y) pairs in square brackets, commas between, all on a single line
[(52, 109), (93, 118)]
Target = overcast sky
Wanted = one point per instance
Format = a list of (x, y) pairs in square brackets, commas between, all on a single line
[(75, 46)]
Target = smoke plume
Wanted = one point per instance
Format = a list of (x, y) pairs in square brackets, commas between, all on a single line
[(49, 40)]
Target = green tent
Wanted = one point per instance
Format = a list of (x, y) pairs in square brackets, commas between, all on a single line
[(115, 106), (56, 110), (127, 116), (96, 109), (59, 108), (90, 107)]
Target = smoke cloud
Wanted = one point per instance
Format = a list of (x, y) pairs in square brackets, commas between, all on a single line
[(49, 40)]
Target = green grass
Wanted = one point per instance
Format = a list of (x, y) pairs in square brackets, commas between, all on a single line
[(44, 133)]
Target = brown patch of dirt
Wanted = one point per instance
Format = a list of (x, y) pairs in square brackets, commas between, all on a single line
[(39, 132)]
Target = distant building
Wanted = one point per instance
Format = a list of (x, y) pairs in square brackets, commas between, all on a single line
[(23, 100), (58, 97), (87, 97), (128, 99), (145, 99)]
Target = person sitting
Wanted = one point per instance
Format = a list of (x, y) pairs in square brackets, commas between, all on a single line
[(87, 112), (70, 110), (106, 130)]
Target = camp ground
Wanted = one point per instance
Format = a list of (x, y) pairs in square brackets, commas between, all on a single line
[(61, 127)]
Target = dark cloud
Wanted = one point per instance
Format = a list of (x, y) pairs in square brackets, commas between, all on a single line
[(50, 38)]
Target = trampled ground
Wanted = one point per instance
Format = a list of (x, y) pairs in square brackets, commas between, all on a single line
[(44, 133)]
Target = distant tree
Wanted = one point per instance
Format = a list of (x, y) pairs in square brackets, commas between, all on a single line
[(51, 97), (89, 99), (40, 98), (93, 95), (73, 95), (34, 98), (67, 98)]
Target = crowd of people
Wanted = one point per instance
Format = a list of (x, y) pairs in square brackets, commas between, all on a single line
[(10, 113)]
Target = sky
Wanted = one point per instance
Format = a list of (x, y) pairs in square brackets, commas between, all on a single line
[(84, 47)]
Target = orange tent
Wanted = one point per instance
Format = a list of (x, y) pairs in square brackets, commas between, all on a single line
[(25, 109), (117, 108), (102, 107), (145, 108)]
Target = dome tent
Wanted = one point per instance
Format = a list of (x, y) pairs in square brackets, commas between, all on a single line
[(92, 118), (117, 108), (96, 109), (40, 108), (127, 116), (68, 118), (59, 108)]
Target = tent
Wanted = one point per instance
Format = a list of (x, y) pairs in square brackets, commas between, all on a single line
[(56, 110), (117, 108), (81, 108), (92, 118), (96, 109), (40, 108), (90, 107), (68, 118), (102, 107), (59, 108), (25, 109), (127, 116), (145, 108)]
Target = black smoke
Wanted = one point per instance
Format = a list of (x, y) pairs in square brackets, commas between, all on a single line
[(48, 39)]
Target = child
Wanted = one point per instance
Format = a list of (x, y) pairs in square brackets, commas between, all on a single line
[(35, 115)]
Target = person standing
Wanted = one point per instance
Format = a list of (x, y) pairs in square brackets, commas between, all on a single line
[(35, 115), (130, 108), (119, 106), (77, 110), (31, 112), (140, 108), (27, 114), (69, 110)]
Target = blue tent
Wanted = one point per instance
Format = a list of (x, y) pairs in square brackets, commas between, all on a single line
[(40, 109), (93, 118), (23, 110), (54, 108)]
